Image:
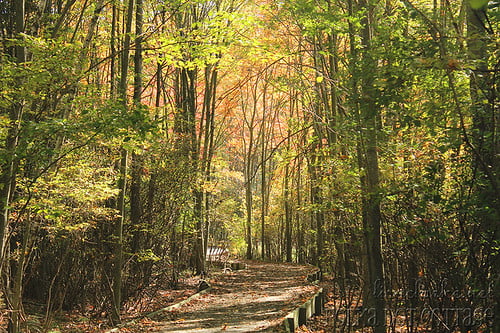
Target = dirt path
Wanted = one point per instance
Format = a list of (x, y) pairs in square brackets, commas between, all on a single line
[(250, 300)]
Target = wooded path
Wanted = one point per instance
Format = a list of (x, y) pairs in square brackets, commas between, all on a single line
[(254, 299)]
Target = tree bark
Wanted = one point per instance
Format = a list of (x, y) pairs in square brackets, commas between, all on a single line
[(122, 182), (249, 203), (7, 183), (288, 215), (137, 159), (8, 172), (369, 170), (486, 157), (16, 299)]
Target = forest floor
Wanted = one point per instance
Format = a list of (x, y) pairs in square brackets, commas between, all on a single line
[(254, 299), (91, 319)]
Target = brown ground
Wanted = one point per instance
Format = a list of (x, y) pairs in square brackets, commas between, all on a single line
[(254, 299), (250, 300)]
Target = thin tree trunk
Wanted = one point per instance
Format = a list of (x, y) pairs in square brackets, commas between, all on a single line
[(7, 182), (62, 17), (188, 142), (249, 203), (137, 160), (486, 157), (263, 185), (301, 258), (249, 169), (112, 46), (263, 193), (264, 137), (370, 182), (320, 109), (118, 239), (288, 214), (8, 174), (211, 74), (122, 182), (16, 300)]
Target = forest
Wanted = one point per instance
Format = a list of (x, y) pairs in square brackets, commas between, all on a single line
[(359, 136)]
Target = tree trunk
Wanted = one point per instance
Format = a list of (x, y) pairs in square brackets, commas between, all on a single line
[(211, 75), (137, 159), (7, 183), (198, 251), (249, 203), (122, 182), (248, 171), (486, 157), (16, 299), (288, 215), (369, 170), (301, 230), (8, 174), (118, 239), (317, 215), (187, 146), (263, 193)]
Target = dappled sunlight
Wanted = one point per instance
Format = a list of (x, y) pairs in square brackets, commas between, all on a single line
[(251, 299)]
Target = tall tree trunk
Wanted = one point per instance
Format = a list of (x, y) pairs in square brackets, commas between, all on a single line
[(122, 182), (185, 128), (266, 132), (369, 170), (248, 203), (321, 108), (286, 191), (196, 143), (486, 146), (249, 166), (7, 183), (8, 172), (209, 102), (318, 216), (263, 193), (301, 253), (112, 49), (137, 159), (288, 214), (263, 179)]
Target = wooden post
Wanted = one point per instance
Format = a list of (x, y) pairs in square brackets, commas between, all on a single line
[(290, 322), (302, 315), (318, 304)]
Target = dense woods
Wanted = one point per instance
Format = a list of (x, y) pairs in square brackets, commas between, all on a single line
[(359, 136)]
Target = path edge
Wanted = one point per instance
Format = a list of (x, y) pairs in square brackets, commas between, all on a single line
[(298, 317), (166, 309)]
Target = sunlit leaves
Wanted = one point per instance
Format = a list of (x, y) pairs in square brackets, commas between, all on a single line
[(71, 198), (316, 17), (201, 43), (147, 255)]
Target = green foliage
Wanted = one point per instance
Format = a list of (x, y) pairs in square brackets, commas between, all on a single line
[(317, 17), (70, 198), (201, 43), (478, 4), (307, 59), (147, 255)]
